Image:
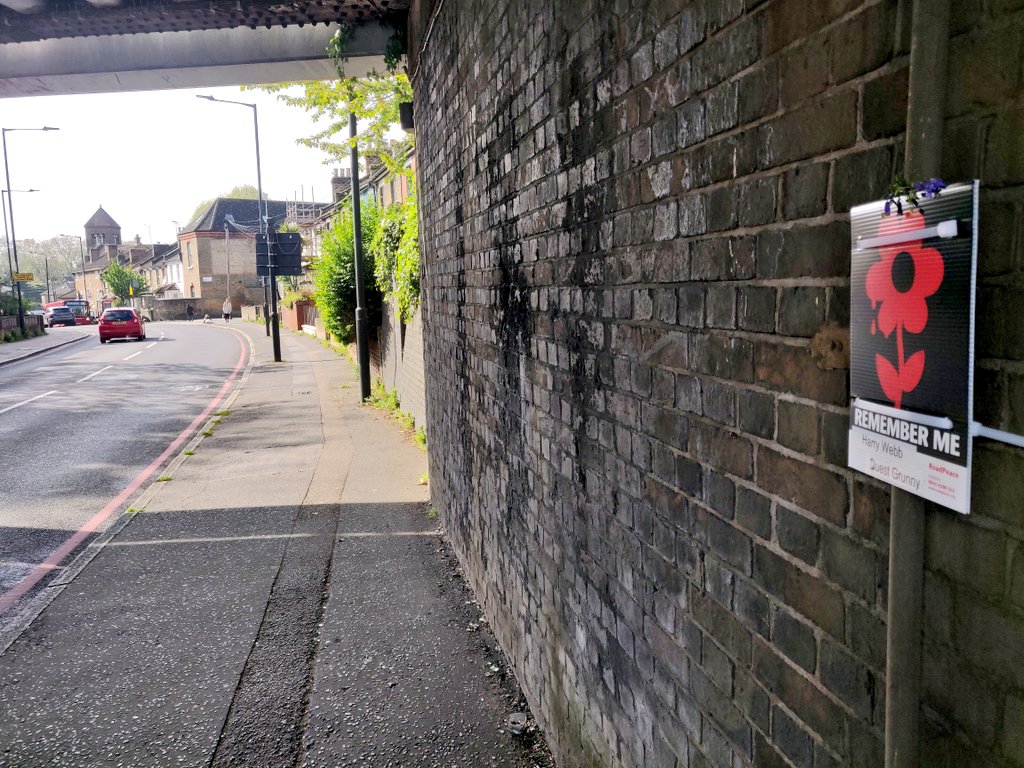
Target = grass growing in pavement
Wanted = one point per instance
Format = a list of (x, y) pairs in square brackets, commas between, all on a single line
[(424, 479), (432, 513), (207, 432), (389, 403), (163, 478), (189, 452)]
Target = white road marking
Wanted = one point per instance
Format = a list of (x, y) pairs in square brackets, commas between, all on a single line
[(135, 355), (150, 346), (210, 540), (26, 402), (376, 534), (97, 373)]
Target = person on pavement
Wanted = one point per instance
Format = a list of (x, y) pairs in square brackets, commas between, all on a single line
[(190, 312), (226, 309)]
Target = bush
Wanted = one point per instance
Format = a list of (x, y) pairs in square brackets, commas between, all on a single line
[(334, 273)]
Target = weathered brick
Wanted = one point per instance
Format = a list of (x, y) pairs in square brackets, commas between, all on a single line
[(756, 310), (795, 639), (820, 126), (753, 512), (863, 42), (757, 202), (805, 191), (756, 412), (885, 105), (982, 70), (798, 535), (758, 93), (804, 71), (791, 369), (798, 427), (799, 590), (792, 740), (799, 694), (966, 553), (861, 177), (821, 492)]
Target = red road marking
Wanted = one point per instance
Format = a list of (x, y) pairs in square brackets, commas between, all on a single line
[(15, 593)]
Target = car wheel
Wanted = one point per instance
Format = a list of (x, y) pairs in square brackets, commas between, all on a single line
[(103, 341)]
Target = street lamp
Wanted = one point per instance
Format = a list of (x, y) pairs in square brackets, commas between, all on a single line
[(10, 211), (7, 239), (263, 226), (85, 285)]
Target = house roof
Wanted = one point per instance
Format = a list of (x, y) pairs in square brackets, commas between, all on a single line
[(102, 220), (241, 216)]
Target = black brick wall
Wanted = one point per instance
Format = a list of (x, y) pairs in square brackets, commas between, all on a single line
[(634, 230)]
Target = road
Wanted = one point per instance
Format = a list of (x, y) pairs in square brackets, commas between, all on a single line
[(84, 426)]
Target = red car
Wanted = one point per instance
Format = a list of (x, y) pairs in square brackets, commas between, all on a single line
[(121, 323)]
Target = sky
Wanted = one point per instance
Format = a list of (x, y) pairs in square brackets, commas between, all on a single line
[(149, 158)]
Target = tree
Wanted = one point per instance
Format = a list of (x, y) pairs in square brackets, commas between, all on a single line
[(124, 282), (373, 99)]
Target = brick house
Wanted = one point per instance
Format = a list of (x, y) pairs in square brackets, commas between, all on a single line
[(218, 253)]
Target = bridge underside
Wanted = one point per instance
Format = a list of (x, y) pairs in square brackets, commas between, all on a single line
[(72, 46)]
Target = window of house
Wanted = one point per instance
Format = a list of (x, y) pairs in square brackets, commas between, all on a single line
[(189, 250), (192, 291)]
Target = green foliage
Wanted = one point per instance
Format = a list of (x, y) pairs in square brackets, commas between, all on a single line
[(372, 99), (9, 304), (123, 281), (396, 257), (334, 272), (290, 297), (421, 438)]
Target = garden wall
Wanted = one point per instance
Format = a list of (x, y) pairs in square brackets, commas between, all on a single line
[(635, 238)]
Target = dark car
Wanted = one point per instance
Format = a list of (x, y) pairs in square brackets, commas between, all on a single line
[(121, 323), (59, 316)]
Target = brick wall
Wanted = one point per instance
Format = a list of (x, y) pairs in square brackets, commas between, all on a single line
[(636, 270), (397, 361)]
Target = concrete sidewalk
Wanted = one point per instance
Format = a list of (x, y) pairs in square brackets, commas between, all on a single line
[(53, 338), (283, 600)]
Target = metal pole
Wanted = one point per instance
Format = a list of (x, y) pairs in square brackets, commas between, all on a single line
[(49, 290), (14, 239), (362, 331), (925, 113), (7, 240), (272, 279)]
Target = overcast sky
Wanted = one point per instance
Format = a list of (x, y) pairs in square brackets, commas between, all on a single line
[(150, 158)]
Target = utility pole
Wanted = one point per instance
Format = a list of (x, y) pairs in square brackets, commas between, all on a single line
[(362, 329)]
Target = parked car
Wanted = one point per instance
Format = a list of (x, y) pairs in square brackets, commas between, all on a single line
[(58, 316), (121, 323)]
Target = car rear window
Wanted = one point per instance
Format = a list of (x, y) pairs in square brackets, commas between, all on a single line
[(119, 315)]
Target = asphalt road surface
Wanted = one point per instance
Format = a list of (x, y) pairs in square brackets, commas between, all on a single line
[(83, 427)]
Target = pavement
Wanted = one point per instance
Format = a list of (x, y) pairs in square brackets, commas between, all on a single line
[(54, 337), (281, 597)]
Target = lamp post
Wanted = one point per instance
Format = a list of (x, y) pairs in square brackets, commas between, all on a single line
[(7, 239), (85, 285), (10, 211), (275, 330)]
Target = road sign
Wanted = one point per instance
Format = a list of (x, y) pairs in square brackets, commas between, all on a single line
[(285, 248), (23, 277), (912, 344)]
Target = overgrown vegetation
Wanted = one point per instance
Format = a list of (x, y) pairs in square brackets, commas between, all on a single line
[(388, 401), (396, 256), (334, 273)]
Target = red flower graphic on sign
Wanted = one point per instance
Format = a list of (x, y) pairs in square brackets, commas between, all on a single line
[(907, 274)]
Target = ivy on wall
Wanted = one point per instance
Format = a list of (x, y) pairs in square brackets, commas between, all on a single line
[(396, 257)]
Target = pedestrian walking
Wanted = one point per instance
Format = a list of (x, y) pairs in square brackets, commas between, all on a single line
[(190, 312), (226, 309)]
